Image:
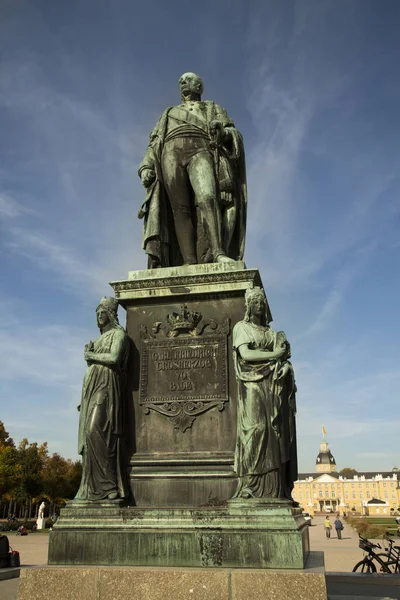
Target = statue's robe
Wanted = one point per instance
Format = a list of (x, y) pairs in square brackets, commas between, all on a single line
[(265, 454), (101, 423), (159, 240)]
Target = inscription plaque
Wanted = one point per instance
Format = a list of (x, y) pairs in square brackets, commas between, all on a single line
[(183, 377)]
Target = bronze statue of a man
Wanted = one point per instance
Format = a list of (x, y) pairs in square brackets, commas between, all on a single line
[(194, 173)]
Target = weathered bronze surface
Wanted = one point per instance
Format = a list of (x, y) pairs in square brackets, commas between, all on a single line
[(184, 366), (101, 410), (266, 452), (195, 177), (182, 441)]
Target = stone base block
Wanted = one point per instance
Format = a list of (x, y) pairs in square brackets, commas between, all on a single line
[(181, 388), (41, 523), (250, 534), (139, 583)]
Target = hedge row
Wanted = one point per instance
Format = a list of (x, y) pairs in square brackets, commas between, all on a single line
[(371, 530), (13, 525)]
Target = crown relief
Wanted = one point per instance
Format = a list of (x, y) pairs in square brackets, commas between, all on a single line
[(185, 320)]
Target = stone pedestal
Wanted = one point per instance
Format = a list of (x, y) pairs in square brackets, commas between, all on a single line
[(41, 523), (181, 434), (141, 583), (249, 534), (182, 390)]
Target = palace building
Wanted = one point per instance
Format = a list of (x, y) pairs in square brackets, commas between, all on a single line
[(370, 493)]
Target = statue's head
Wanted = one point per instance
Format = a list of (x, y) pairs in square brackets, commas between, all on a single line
[(107, 312), (256, 304), (190, 84)]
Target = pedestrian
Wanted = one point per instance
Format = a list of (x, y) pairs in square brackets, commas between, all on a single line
[(339, 527), (327, 527)]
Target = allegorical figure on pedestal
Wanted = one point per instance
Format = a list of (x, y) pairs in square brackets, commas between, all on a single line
[(266, 454), (101, 419), (194, 173)]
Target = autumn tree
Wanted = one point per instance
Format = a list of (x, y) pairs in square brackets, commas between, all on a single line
[(61, 478), (28, 474), (348, 472), (31, 458), (5, 440)]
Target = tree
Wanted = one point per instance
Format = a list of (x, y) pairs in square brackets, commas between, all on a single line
[(31, 458), (61, 478), (28, 473), (5, 440), (10, 471), (348, 472)]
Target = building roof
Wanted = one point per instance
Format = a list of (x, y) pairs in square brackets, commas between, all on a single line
[(366, 474), (325, 458), (315, 475)]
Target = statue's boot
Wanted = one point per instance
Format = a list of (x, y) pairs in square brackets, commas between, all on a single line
[(223, 258)]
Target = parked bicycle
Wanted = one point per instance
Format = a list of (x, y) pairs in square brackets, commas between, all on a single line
[(393, 554), (387, 561)]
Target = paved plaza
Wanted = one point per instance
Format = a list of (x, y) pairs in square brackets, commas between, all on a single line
[(340, 555)]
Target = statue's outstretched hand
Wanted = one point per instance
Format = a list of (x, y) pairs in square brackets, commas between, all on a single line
[(147, 177)]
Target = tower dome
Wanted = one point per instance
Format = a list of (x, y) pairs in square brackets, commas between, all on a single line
[(325, 462)]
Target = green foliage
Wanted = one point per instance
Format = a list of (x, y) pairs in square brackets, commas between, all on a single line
[(31, 458), (61, 478), (368, 528), (348, 472), (10, 470), (28, 475), (5, 440)]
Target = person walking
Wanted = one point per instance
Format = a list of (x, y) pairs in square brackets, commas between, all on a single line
[(339, 527), (327, 527)]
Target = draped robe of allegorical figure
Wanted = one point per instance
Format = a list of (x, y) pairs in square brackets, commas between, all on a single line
[(266, 455), (100, 422)]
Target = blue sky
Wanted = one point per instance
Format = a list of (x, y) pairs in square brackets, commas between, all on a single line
[(313, 86)]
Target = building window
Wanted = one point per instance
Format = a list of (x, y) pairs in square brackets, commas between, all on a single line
[(354, 494), (320, 493)]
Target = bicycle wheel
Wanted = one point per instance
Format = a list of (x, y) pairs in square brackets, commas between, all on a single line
[(365, 566), (389, 565)]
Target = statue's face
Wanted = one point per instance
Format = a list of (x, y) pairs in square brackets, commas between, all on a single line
[(190, 83), (257, 306), (102, 317)]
